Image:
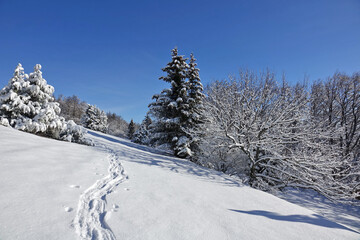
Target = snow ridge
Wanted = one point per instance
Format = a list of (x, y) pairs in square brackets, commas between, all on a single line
[(89, 221)]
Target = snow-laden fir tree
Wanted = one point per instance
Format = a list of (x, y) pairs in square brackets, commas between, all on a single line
[(95, 119), (131, 130), (30, 105), (195, 120), (171, 109), (27, 104), (196, 95), (142, 135), (42, 113), (12, 102)]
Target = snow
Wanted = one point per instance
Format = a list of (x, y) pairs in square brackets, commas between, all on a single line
[(342, 213), (37, 174), (126, 191)]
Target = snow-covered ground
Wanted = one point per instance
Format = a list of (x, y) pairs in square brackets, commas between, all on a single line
[(59, 190)]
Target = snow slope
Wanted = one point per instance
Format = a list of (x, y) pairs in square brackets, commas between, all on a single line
[(117, 189), (41, 182)]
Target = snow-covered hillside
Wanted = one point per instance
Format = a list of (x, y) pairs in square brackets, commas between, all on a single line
[(59, 190)]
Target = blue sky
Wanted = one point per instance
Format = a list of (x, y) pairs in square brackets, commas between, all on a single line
[(110, 53)]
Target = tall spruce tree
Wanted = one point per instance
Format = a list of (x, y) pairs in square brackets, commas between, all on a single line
[(131, 130), (196, 108), (196, 95), (170, 108), (187, 145)]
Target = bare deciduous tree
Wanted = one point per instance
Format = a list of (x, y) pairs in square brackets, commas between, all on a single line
[(72, 108), (271, 124)]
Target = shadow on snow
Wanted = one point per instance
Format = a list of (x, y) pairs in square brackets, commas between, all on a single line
[(153, 157), (343, 213), (314, 219)]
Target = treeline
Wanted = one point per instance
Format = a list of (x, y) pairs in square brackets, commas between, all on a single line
[(272, 133), (72, 108)]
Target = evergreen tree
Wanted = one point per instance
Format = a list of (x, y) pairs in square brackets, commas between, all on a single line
[(196, 109), (196, 95), (170, 108), (142, 134), (27, 104), (131, 129), (95, 119), (42, 115), (12, 102)]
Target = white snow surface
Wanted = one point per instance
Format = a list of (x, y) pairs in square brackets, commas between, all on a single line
[(120, 190)]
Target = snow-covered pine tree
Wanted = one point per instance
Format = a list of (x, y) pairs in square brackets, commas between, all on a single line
[(95, 119), (196, 119), (142, 134), (171, 109), (131, 129), (196, 95), (11, 98), (41, 115), (27, 104)]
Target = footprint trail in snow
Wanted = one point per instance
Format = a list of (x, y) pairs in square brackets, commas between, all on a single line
[(89, 221)]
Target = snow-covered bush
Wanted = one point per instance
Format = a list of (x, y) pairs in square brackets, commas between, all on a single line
[(27, 104), (95, 119), (74, 133), (214, 153)]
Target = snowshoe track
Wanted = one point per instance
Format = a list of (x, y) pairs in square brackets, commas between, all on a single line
[(89, 221)]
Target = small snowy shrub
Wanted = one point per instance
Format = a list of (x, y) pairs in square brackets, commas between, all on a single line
[(74, 133)]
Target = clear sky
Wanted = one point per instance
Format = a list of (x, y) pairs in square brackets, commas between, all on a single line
[(110, 53)]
